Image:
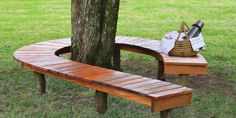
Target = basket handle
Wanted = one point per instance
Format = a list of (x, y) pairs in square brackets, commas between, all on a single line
[(182, 29)]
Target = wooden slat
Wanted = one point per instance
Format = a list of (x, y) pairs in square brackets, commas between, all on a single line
[(121, 75), (131, 81), (41, 58), (152, 43), (66, 68), (118, 80), (133, 40), (113, 91), (88, 71), (141, 84), (123, 39), (171, 92), (36, 48), (161, 88), (35, 52), (43, 54), (45, 59), (141, 42), (198, 60), (152, 86), (42, 47), (148, 42), (29, 57), (48, 63), (184, 69), (61, 65), (107, 76), (51, 44), (60, 43), (171, 102), (65, 42), (118, 38), (82, 67)]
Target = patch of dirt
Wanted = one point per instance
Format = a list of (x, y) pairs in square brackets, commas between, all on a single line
[(144, 68), (212, 80)]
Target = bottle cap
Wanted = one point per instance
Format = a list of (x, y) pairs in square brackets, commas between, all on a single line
[(199, 24)]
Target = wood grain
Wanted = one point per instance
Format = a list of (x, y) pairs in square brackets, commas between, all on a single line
[(41, 58)]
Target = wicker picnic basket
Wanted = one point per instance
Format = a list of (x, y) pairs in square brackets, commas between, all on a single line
[(183, 47)]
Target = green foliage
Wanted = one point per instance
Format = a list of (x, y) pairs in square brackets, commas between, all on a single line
[(23, 22)]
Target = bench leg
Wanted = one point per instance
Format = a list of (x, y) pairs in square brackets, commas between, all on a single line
[(116, 60), (183, 79), (161, 75), (41, 83), (101, 101), (166, 114)]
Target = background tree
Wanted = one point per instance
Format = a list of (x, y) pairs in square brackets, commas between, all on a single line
[(94, 24)]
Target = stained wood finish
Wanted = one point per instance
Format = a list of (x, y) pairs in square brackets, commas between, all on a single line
[(41, 83), (166, 114), (155, 93), (141, 84), (119, 80), (133, 81), (152, 87), (171, 102), (171, 65), (101, 101), (116, 59), (161, 75)]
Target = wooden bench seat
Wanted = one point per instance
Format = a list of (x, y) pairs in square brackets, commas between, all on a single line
[(171, 65), (42, 58)]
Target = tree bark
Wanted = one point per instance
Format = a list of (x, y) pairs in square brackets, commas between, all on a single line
[(94, 24)]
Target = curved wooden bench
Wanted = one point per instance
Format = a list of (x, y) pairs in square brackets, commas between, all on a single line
[(41, 58), (171, 65)]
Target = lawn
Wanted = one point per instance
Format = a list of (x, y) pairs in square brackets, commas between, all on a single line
[(24, 22)]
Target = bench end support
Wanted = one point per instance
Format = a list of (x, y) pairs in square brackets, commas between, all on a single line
[(41, 83), (161, 75), (101, 101), (116, 60), (166, 114)]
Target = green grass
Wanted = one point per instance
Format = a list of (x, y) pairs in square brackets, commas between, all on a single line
[(24, 22)]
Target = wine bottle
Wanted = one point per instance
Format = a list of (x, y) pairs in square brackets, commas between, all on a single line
[(195, 30)]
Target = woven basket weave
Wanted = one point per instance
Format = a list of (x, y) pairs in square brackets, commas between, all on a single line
[(183, 48)]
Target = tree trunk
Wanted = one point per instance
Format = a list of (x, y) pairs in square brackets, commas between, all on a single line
[(94, 24)]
